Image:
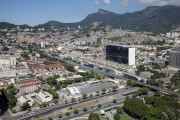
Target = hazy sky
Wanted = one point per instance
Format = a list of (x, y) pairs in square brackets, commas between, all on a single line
[(33, 12)]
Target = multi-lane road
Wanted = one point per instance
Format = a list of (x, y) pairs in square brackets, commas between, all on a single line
[(50, 109)]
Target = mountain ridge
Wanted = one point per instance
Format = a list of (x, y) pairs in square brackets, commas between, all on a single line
[(158, 19)]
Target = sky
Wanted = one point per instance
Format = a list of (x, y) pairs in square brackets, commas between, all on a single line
[(34, 12)]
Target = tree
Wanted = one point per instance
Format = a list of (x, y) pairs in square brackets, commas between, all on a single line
[(60, 115), (97, 93), (99, 105), (154, 113), (91, 95), (141, 91), (54, 94), (84, 109), (141, 68), (135, 107), (117, 116), (94, 116), (103, 90), (114, 88), (67, 113), (25, 106), (73, 100), (119, 110), (114, 101), (44, 104), (49, 118), (76, 111), (71, 69), (84, 96), (176, 78), (131, 83)]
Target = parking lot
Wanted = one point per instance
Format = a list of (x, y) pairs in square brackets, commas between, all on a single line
[(96, 87)]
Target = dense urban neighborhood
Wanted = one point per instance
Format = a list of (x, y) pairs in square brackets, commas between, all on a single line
[(93, 72)]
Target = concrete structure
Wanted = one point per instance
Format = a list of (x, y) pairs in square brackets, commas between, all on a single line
[(25, 99), (7, 62), (73, 90), (121, 53), (174, 58), (27, 86), (44, 97)]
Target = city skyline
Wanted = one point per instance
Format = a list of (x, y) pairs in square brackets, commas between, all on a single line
[(67, 11)]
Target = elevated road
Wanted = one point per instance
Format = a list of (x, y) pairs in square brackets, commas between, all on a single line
[(126, 75)]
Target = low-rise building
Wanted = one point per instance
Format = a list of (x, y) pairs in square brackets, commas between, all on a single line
[(25, 99), (73, 90), (27, 86), (5, 83), (44, 97)]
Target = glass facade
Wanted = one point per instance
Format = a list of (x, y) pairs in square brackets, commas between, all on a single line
[(117, 54)]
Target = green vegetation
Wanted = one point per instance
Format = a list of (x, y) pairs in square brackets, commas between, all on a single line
[(125, 117), (67, 113), (25, 56), (176, 78), (151, 42), (84, 109), (157, 75), (84, 96), (70, 68), (158, 83), (117, 116), (131, 83), (76, 111), (25, 106), (53, 83), (9, 93), (140, 68), (156, 108), (115, 38), (141, 91), (103, 90), (52, 80), (114, 88), (114, 101), (119, 110), (54, 94), (135, 107), (94, 116)]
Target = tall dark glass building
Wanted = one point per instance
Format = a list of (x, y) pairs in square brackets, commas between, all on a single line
[(121, 54)]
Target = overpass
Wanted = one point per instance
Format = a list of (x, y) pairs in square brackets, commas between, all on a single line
[(125, 74)]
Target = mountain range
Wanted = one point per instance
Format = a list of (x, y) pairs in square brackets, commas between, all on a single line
[(157, 19)]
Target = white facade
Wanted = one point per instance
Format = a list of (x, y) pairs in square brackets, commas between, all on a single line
[(131, 56), (6, 62), (25, 99), (73, 90), (44, 97)]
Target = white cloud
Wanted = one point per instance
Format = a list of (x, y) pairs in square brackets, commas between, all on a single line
[(125, 2), (160, 2), (107, 1)]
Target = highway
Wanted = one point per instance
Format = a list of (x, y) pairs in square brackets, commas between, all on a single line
[(125, 75), (46, 110), (89, 110), (50, 109)]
